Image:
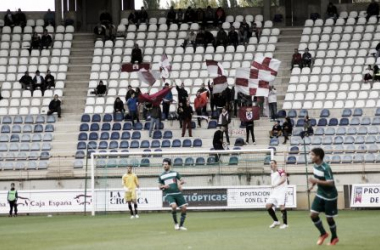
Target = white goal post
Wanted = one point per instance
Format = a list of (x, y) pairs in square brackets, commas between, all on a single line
[(189, 161)]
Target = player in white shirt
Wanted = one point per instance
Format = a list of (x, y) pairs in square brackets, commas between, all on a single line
[(277, 197)]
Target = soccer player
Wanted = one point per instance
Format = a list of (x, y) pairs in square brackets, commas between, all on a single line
[(171, 183), (278, 195), (130, 183), (326, 199)]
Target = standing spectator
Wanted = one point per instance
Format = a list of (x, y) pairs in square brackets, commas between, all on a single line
[(132, 104), (276, 130), (105, 18), (202, 88), (129, 93), (36, 41), (55, 106), (26, 81), (180, 114), (20, 18), (287, 129), (101, 89), (272, 102), (49, 80), (118, 106), (233, 37), (368, 73), (243, 37), (171, 16), (46, 40), (100, 32), (155, 117), (133, 17), (255, 31), (224, 120), (187, 115), (189, 15), (332, 11), (306, 58), (373, 9), (200, 16), (12, 197), (217, 141), (49, 18), (182, 93), (39, 82), (220, 16), (9, 19), (168, 99), (143, 16), (212, 96), (200, 103), (209, 15), (221, 38), (136, 54), (191, 37), (296, 59), (249, 129), (180, 16)]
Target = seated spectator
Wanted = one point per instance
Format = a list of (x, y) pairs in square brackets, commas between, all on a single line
[(233, 37), (46, 40), (36, 41), (296, 59), (287, 129), (49, 18), (254, 31), (180, 17), (220, 16), (191, 38), (118, 106), (306, 58), (307, 127), (55, 106), (49, 80), (20, 18), (209, 38), (200, 39), (200, 103), (332, 11), (143, 16), (200, 16), (110, 32), (243, 37), (101, 89), (133, 17), (39, 82), (368, 74), (100, 32), (132, 105), (136, 56), (189, 16), (245, 25), (221, 38), (187, 116), (209, 15), (130, 92), (9, 19), (373, 9), (26, 81), (376, 73), (171, 16), (105, 18), (276, 130)]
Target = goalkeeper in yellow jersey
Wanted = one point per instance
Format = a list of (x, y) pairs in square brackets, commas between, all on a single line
[(130, 184)]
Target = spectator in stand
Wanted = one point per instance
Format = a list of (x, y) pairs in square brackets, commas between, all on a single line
[(243, 37), (118, 106), (306, 58), (155, 117), (209, 15), (307, 126), (221, 38), (249, 129), (180, 114), (296, 59), (287, 129), (136, 54), (202, 88), (212, 96), (46, 40), (171, 16), (132, 105), (49, 80), (224, 120), (200, 39), (200, 16), (272, 102), (49, 18), (376, 73), (276, 130), (105, 18), (377, 54), (200, 103), (20, 18), (245, 25), (130, 92), (9, 19), (101, 89), (368, 74), (191, 38), (373, 9), (217, 141), (187, 116), (209, 38), (55, 106), (110, 32), (182, 93), (100, 32), (39, 82), (180, 16), (36, 41), (189, 15), (133, 17), (220, 16), (260, 103), (254, 31), (332, 11), (143, 16), (26, 81), (168, 99), (233, 37)]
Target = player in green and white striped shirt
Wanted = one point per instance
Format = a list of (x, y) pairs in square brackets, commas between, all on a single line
[(170, 182)]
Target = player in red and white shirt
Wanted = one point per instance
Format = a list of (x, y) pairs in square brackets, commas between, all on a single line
[(277, 197)]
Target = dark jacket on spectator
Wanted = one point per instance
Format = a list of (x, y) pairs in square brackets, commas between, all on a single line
[(136, 55), (54, 104), (182, 94)]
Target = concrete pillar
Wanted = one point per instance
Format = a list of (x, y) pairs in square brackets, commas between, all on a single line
[(65, 6), (128, 4), (266, 10), (115, 10), (58, 12), (72, 5)]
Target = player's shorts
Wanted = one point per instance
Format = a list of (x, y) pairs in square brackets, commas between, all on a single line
[(277, 199), (176, 199), (330, 208), (130, 195)]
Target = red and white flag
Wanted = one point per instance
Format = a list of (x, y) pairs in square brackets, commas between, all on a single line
[(249, 84), (248, 73), (266, 63), (214, 68), (220, 84), (165, 67), (147, 76)]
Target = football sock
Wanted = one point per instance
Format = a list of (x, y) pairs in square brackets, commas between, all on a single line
[(284, 216), (318, 224), (136, 208), (272, 214), (183, 217), (174, 213), (130, 208), (332, 228)]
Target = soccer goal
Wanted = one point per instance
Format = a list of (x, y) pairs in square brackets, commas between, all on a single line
[(196, 165)]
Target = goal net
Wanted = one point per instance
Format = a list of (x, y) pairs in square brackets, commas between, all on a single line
[(199, 168)]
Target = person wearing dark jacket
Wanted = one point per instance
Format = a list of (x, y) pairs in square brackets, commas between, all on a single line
[(306, 58), (187, 115), (249, 129), (373, 9), (12, 197), (101, 89), (9, 19), (136, 54), (332, 11), (105, 18), (20, 18), (55, 106), (118, 106), (233, 37), (221, 38), (209, 38), (49, 18), (217, 141), (168, 99), (155, 118), (132, 104), (46, 40), (189, 15), (287, 129), (129, 93), (220, 16), (36, 41), (171, 16), (182, 94), (276, 130), (133, 17), (39, 82), (143, 15), (49, 80), (100, 32), (224, 120), (180, 113), (26, 81)]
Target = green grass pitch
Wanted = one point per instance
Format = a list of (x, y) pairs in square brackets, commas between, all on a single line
[(207, 230)]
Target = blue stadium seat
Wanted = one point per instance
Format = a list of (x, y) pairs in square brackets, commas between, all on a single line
[(176, 143), (16, 128), (327, 140), (300, 123), (85, 118), (178, 162), (84, 127), (211, 160), (126, 135), (118, 117), (18, 119), (7, 119), (93, 136), (24, 147), (107, 118), (362, 148), (4, 138), (303, 113), (281, 114), (333, 122), (20, 165), (79, 154), (40, 119), (147, 155), (365, 121), (96, 118), (189, 161), (138, 126), (186, 143), (346, 113), (127, 126), (93, 145), (35, 146), (104, 136), (233, 160), (322, 122), (136, 135), (115, 136), (274, 142), (135, 144), (158, 155), (345, 159), (157, 134), (193, 125), (147, 126), (292, 113), (24, 138), (22, 156), (103, 145), (343, 122), (3, 147), (316, 140), (94, 127), (373, 130), (111, 163), (325, 113), (377, 113), (116, 126), (349, 140), (46, 146), (362, 131), (168, 135), (82, 137), (338, 140), (330, 131), (341, 131), (15, 138), (155, 144), (351, 131), (372, 148), (51, 119), (197, 143), (5, 129), (370, 158), (239, 142), (113, 145), (200, 161), (291, 160), (355, 121), (350, 149), (49, 128), (124, 144), (294, 150), (313, 122), (106, 127), (161, 126), (212, 125), (145, 163), (38, 128), (29, 119), (358, 112), (360, 139), (166, 144), (376, 121), (144, 144)]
